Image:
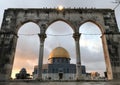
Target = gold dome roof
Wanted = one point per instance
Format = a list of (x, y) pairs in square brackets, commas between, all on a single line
[(59, 52)]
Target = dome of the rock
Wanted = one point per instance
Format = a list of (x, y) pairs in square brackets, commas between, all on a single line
[(59, 52)]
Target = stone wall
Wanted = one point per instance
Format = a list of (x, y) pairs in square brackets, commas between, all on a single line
[(103, 18)]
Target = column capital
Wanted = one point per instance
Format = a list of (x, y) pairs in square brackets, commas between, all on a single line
[(76, 36), (42, 37), (43, 28)]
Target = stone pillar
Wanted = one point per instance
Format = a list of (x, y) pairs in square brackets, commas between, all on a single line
[(42, 37), (107, 56), (76, 36), (8, 42)]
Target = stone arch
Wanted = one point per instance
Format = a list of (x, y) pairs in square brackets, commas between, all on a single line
[(60, 35), (105, 18), (105, 49), (96, 23), (25, 22), (65, 21), (27, 44)]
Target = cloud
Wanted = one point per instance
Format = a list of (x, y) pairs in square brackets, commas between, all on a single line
[(94, 61), (90, 56), (92, 45)]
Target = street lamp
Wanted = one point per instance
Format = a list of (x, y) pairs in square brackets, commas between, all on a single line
[(116, 2), (60, 7)]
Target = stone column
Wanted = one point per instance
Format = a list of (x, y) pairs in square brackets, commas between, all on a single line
[(107, 56), (42, 37), (76, 36)]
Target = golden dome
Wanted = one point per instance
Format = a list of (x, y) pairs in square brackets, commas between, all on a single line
[(59, 52)]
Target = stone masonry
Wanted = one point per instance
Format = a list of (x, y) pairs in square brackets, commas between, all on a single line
[(104, 18)]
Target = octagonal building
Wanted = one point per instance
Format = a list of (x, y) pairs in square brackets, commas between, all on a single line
[(58, 67)]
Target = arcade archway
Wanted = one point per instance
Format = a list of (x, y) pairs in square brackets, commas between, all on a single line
[(104, 18), (92, 54), (27, 50), (57, 34)]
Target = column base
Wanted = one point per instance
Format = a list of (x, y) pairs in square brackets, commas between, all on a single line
[(80, 78), (4, 77), (39, 79)]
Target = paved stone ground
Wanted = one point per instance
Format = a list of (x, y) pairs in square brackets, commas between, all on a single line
[(33, 82)]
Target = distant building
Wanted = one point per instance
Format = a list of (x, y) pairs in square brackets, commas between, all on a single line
[(59, 67), (88, 76), (95, 75), (22, 74)]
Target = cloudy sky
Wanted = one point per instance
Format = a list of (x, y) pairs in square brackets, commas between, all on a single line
[(28, 46)]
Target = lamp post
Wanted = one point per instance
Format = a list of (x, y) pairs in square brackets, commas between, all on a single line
[(116, 2)]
